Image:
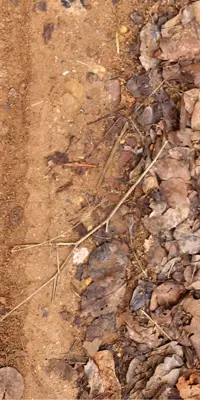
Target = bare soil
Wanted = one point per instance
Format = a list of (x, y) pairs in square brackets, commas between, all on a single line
[(46, 104)]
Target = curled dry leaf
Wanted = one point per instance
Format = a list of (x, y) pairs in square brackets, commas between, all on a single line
[(167, 372), (161, 366), (102, 377), (166, 295), (189, 385), (11, 384)]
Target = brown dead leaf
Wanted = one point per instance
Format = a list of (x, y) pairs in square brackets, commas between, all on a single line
[(166, 295), (11, 384), (167, 372), (174, 191), (47, 32), (58, 158), (170, 219), (189, 386), (188, 241), (167, 168), (102, 377)]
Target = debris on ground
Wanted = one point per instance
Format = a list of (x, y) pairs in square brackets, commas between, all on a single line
[(160, 315), (101, 376), (11, 384)]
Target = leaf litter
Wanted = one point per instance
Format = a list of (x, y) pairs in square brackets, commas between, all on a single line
[(142, 335)]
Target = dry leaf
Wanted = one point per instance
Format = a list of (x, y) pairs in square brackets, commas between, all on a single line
[(102, 377), (189, 386), (166, 295), (11, 384)]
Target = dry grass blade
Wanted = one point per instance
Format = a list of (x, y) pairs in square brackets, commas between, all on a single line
[(105, 222), (52, 242), (112, 153), (57, 276), (157, 326), (154, 91)]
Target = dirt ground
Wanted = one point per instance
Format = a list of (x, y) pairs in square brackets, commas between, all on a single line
[(47, 101)]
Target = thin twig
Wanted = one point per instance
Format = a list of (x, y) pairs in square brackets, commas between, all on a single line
[(139, 263), (84, 238), (117, 42), (154, 91), (20, 247), (157, 326), (112, 153), (57, 276)]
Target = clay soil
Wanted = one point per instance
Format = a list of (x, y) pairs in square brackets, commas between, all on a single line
[(46, 103)]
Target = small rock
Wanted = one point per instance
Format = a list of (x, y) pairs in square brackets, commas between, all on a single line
[(114, 89), (195, 121), (123, 29), (80, 255)]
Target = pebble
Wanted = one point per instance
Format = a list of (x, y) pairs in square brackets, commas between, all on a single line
[(123, 29)]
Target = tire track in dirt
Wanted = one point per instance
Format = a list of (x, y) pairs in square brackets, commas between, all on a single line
[(14, 79)]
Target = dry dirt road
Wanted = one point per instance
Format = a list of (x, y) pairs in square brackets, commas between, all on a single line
[(48, 95)]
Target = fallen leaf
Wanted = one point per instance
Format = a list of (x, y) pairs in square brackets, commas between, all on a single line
[(102, 377), (149, 37), (190, 98), (58, 158), (47, 32), (167, 168), (174, 192), (189, 385), (141, 295), (188, 241), (167, 372), (62, 368), (11, 384), (166, 295)]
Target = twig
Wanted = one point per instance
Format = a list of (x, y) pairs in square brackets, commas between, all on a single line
[(117, 42), (81, 240), (27, 246), (157, 326), (154, 91), (79, 164), (139, 263), (106, 116), (112, 153), (57, 276)]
